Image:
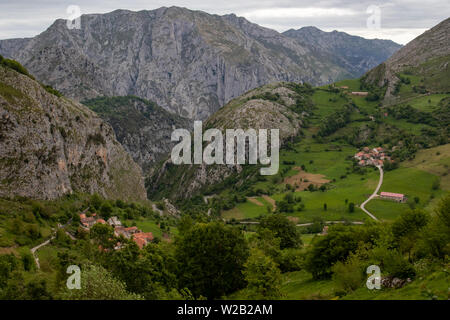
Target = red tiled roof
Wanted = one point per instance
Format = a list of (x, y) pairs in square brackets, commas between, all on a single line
[(144, 235), (131, 228), (101, 221), (82, 216), (142, 238), (140, 242), (392, 194)]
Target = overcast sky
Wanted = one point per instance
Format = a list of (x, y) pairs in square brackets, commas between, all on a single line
[(399, 20)]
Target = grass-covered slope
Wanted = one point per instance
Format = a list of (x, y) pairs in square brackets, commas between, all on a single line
[(335, 126)]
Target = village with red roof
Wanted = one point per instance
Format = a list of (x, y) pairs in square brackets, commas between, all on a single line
[(134, 233), (372, 157)]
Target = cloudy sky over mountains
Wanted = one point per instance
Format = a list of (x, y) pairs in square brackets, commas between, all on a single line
[(399, 20)]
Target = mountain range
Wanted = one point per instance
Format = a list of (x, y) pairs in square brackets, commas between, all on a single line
[(189, 62)]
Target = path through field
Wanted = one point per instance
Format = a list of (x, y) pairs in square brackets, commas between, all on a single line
[(373, 195)]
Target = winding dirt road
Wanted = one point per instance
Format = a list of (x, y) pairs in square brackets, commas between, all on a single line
[(373, 195)]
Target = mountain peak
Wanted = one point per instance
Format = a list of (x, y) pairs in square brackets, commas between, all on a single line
[(189, 62)]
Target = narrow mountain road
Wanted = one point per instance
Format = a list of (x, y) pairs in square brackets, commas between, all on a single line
[(34, 249), (373, 195), (155, 208), (329, 222), (307, 224)]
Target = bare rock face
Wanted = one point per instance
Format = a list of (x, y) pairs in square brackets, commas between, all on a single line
[(353, 53), (189, 62), (52, 146)]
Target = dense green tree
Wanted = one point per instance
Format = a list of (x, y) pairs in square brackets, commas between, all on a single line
[(98, 284), (409, 223), (265, 240), (37, 289), (103, 235), (106, 210), (262, 275), (185, 224), (351, 207), (443, 211), (336, 246), (349, 274), (8, 263), (284, 229), (211, 258), (435, 237), (96, 201), (392, 263), (154, 264)]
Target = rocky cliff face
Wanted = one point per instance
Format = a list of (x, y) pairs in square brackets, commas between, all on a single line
[(51, 146), (189, 62), (427, 56), (142, 127), (355, 54), (281, 105)]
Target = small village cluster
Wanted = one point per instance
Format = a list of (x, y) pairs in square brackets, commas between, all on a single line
[(372, 157), (133, 233), (376, 157)]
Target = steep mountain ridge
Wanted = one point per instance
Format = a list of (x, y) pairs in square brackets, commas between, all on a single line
[(426, 57), (189, 62), (51, 146), (353, 53)]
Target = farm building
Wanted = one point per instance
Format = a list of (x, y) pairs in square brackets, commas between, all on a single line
[(360, 93), (393, 196)]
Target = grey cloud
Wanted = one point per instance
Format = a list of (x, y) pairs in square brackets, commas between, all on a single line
[(28, 17)]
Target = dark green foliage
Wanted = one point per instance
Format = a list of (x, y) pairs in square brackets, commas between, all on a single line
[(335, 121), (409, 223), (211, 259), (284, 229), (96, 139), (51, 90), (15, 66), (413, 115), (336, 246), (106, 210), (351, 207), (263, 276), (8, 263)]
